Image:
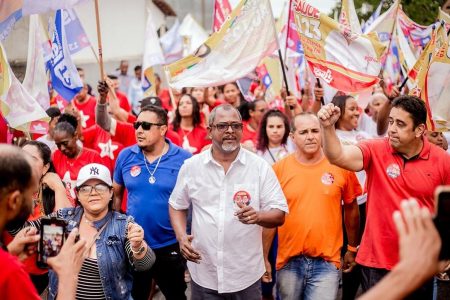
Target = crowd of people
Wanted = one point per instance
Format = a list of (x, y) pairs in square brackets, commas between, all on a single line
[(240, 197)]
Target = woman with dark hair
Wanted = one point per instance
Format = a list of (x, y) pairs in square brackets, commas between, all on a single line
[(232, 95), (51, 195), (187, 123), (273, 136), (115, 245), (54, 113), (346, 130), (252, 113), (71, 156), (271, 145)]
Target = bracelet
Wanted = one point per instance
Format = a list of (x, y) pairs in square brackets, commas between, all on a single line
[(139, 251), (352, 249)]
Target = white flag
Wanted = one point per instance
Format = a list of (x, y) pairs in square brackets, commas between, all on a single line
[(231, 53), (193, 33), (153, 56), (172, 43), (17, 105), (36, 80)]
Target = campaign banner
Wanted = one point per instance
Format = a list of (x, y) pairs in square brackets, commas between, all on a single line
[(64, 75), (431, 76), (345, 60), (12, 11), (77, 39), (222, 10), (234, 51)]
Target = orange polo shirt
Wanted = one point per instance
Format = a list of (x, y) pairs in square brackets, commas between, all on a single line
[(314, 194), (390, 179)]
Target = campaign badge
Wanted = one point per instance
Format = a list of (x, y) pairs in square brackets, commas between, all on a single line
[(242, 197), (393, 171), (327, 178), (135, 171)]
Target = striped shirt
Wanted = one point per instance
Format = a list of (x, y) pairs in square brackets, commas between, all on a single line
[(89, 284)]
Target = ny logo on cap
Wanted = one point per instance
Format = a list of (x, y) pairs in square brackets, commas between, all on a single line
[(94, 171)]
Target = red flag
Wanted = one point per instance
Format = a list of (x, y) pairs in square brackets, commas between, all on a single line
[(222, 10)]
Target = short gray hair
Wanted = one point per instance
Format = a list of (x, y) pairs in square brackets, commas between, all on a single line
[(227, 107)]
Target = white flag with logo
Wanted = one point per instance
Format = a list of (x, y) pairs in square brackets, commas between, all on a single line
[(234, 51)]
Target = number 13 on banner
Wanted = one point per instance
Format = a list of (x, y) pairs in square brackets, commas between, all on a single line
[(309, 27)]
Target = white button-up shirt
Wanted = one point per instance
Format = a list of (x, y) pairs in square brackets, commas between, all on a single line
[(231, 252)]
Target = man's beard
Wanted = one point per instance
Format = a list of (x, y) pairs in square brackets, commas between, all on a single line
[(20, 219), (229, 147)]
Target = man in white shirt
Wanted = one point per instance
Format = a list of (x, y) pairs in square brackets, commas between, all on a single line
[(233, 193)]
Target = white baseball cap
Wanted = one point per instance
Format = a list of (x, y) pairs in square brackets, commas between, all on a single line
[(94, 171)]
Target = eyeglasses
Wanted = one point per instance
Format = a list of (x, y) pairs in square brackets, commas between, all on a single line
[(145, 125), (222, 127), (86, 190)]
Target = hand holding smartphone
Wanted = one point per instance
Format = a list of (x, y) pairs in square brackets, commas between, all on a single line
[(52, 236)]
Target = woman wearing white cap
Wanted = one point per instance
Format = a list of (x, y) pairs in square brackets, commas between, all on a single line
[(115, 244)]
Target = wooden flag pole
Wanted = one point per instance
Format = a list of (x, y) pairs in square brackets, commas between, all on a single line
[(99, 41)]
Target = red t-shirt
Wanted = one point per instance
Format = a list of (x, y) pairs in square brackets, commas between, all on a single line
[(390, 180), (123, 101), (87, 111), (68, 168), (3, 130), (195, 140), (125, 134), (164, 95), (248, 134), (216, 103), (15, 283), (100, 140)]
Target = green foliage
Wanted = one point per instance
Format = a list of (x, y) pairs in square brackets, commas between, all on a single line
[(423, 12)]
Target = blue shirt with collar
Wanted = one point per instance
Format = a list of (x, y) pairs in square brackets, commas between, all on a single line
[(149, 203)]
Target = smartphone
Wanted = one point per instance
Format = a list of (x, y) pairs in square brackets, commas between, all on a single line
[(52, 239), (442, 219)]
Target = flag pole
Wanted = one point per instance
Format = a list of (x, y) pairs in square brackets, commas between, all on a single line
[(284, 76), (288, 29), (322, 101), (99, 41)]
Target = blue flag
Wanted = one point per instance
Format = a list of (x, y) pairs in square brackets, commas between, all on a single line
[(64, 74), (77, 39)]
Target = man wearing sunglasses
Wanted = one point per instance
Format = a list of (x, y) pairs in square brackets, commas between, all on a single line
[(233, 194), (123, 132), (148, 170)]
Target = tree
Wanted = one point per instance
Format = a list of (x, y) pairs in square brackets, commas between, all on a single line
[(423, 12)]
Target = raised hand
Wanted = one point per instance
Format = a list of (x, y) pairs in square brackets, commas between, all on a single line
[(328, 115)]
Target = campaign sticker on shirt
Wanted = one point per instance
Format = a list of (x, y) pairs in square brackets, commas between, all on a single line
[(327, 178), (242, 197), (393, 170), (135, 171)]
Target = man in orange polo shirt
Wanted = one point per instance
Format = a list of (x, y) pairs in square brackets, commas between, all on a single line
[(310, 241), (398, 167)]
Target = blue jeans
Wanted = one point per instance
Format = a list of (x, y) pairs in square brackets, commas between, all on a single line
[(308, 278)]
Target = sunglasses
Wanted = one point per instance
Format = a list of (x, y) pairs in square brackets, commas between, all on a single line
[(145, 125)]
